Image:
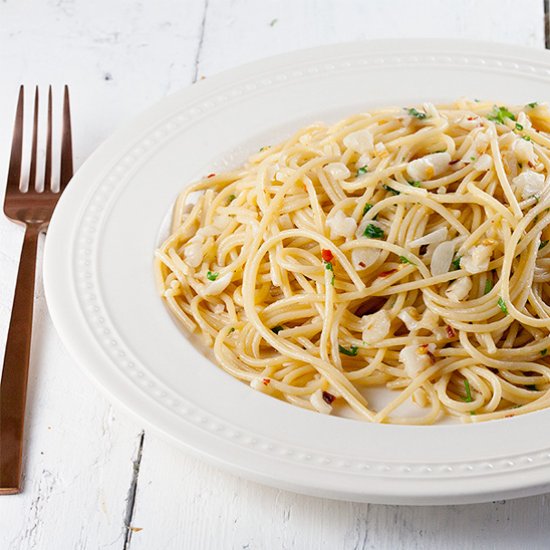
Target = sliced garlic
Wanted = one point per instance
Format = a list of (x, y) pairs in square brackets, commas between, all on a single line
[(319, 403), (459, 289), (341, 226), (477, 258), (442, 257), (484, 163), (530, 183), (361, 258), (213, 288), (429, 166), (193, 254), (376, 326), (360, 141), (437, 236), (417, 358), (338, 170), (524, 151)]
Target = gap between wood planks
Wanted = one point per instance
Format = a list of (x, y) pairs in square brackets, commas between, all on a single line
[(132, 492)]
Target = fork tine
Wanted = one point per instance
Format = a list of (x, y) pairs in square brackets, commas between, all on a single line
[(32, 170), (66, 143), (48, 164), (14, 171)]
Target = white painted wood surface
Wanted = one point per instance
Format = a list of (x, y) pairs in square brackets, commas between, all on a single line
[(118, 58)]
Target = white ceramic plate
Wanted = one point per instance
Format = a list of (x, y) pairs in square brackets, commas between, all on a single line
[(102, 298)]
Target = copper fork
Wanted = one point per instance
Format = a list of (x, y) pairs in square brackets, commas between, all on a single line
[(33, 209)]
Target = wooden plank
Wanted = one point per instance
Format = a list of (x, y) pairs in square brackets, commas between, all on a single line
[(244, 30), (117, 57)]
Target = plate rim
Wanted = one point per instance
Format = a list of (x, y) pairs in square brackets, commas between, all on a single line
[(71, 335)]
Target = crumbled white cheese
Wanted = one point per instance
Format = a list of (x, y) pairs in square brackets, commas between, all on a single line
[(319, 403), (341, 225), (376, 326), (216, 287), (429, 166), (360, 141), (437, 236), (530, 183), (338, 170), (484, 163), (459, 289), (417, 358), (524, 151), (361, 258), (477, 258)]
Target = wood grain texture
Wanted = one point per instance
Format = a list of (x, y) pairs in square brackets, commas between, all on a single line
[(119, 57)]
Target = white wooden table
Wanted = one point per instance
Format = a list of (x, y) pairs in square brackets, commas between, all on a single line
[(93, 477)]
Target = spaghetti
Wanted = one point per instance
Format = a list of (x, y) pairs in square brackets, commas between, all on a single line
[(400, 248)]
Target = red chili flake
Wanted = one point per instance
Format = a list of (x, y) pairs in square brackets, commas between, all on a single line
[(471, 118), (362, 264), (266, 381), (451, 333), (327, 255), (387, 273), (211, 175), (328, 397), (454, 161)]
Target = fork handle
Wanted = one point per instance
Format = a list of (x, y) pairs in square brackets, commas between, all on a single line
[(13, 385)]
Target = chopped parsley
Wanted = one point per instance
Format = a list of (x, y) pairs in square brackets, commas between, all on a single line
[(526, 138), (532, 105), (277, 328), (456, 263), (415, 183), (373, 231), (330, 267), (367, 207), (351, 352), (468, 397), (390, 189), (404, 260), (473, 159), (232, 329), (264, 148), (362, 170), (488, 286), (417, 114), (502, 305), (519, 126), (542, 244), (273, 22), (212, 275), (500, 114), (544, 351), (231, 198)]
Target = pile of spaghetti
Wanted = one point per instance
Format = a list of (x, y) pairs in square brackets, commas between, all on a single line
[(404, 248)]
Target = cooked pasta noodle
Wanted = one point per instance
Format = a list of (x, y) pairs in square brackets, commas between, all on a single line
[(399, 248)]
